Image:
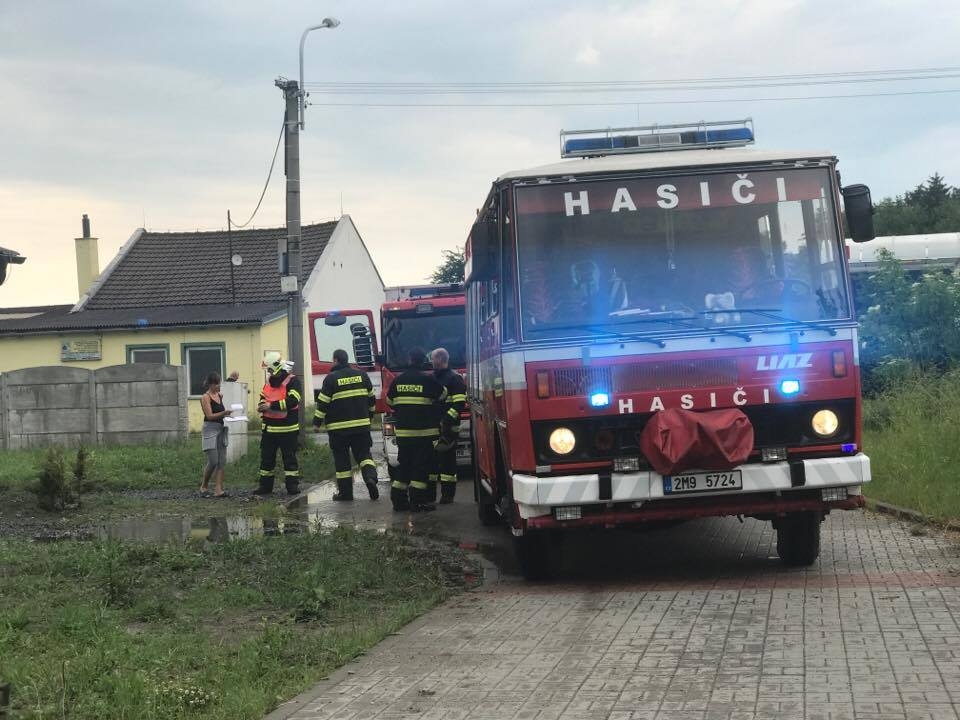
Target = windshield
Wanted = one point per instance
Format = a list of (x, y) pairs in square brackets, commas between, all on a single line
[(441, 328), (667, 254)]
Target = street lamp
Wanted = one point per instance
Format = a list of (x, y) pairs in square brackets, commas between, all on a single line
[(325, 23)]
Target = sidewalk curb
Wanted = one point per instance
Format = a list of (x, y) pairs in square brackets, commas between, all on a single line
[(911, 515)]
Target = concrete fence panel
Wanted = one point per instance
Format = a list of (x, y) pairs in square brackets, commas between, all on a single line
[(123, 404)]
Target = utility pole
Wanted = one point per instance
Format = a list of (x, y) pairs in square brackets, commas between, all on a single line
[(290, 283)]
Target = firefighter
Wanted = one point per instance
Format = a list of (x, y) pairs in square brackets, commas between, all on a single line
[(445, 449), (413, 397), (279, 409), (346, 402)]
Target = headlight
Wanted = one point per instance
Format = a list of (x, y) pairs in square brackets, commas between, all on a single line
[(562, 441), (825, 423)]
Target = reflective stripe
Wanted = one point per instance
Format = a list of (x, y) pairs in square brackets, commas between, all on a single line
[(427, 433), (321, 397), (291, 473), (266, 473), (349, 393), (283, 404), (411, 401), (281, 429), (343, 474), (447, 478), (372, 393), (367, 463), (318, 413), (459, 397), (433, 477), (344, 424), (399, 485), (452, 412), (419, 485), (443, 395), (295, 393)]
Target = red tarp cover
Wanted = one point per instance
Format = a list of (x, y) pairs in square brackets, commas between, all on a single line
[(675, 440)]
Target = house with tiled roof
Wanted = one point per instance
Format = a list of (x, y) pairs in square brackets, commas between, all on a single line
[(209, 300)]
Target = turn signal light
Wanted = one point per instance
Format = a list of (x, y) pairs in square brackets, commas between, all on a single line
[(543, 384), (839, 363)]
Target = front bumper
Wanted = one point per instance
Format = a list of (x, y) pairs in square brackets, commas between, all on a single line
[(537, 496)]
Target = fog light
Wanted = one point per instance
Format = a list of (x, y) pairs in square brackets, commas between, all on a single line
[(627, 464), (562, 441), (833, 494), (825, 423), (773, 454), (567, 513)]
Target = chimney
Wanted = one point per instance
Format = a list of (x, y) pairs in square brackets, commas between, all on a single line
[(88, 259)]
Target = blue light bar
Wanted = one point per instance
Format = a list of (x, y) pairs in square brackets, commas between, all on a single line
[(789, 387), (656, 138), (599, 399)]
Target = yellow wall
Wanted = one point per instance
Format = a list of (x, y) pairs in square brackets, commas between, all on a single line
[(244, 350)]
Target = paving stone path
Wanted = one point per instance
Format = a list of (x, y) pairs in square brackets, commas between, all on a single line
[(697, 621)]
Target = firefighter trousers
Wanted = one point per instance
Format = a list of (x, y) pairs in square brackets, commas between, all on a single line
[(286, 443), (358, 442), (445, 471), (415, 463)]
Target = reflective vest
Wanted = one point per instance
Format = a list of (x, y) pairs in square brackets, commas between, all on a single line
[(273, 394)]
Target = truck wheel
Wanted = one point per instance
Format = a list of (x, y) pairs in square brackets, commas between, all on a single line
[(798, 538), (486, 507), (534, 556)]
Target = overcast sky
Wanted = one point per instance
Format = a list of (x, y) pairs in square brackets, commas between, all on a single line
[(166, 115)]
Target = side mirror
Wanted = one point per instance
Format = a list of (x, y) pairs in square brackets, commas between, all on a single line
[(859, 211), (362, 345), (481, 251)]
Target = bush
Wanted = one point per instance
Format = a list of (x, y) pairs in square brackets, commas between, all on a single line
[(54, 493)]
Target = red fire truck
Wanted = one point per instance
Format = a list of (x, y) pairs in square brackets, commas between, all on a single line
[(425, 316), (428, 317), (660, 327)]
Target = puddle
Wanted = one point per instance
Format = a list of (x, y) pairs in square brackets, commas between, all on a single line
[(215, 529)]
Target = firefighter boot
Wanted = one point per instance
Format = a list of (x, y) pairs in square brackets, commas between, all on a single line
[(265, 486), (344, 491), (447, 491), (400, 498), (370, 480), (420, 500), (293, 486)]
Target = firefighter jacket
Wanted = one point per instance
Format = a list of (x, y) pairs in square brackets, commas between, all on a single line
[(284, 394), (346, 400), (415, 399), (456, 397)]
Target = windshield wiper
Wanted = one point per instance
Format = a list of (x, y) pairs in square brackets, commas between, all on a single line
[(679, 322), (772, 314), (599, 330)]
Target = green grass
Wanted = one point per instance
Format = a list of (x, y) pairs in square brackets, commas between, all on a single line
[(912, 435), (95, 630), (147, 467)]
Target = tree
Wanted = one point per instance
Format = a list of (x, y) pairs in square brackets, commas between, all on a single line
[(931, 207), (451, 269)]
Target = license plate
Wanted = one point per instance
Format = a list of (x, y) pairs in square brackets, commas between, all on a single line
[(702, 482)]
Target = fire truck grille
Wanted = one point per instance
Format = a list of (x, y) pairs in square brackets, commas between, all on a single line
[(570, 382)]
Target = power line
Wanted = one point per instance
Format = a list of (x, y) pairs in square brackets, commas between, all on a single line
[(635, 102), (266, 184), (618, 89)]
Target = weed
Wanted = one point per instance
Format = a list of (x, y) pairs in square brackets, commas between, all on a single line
[(54, 492), (912, 435)]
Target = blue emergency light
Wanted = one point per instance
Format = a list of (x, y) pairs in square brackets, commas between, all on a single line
[(656, 138), (789, 387), (599, 399)]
